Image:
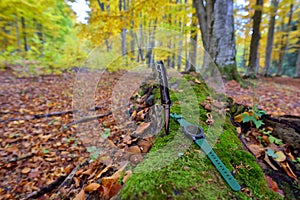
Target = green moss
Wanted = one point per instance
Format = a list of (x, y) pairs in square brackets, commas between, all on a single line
[(176, 168)]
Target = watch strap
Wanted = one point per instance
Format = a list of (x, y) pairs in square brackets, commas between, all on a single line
[(232, 182)]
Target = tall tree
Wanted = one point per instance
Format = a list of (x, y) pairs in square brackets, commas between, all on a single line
[(285, 38), (255, 40), (217, 31), (270, 37), (297, 73)]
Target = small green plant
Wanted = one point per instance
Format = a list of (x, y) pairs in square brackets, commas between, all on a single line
[(94, 152), (271, 137), (297, 161), (45, 151), (254, 116), (106, 133), (70, 139)]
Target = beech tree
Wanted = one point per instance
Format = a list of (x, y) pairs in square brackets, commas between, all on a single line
[(297, 73), (217, 32), (270, 38), (251, 72)]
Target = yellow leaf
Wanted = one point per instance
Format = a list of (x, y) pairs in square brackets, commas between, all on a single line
[(238, 118), (281, 157)]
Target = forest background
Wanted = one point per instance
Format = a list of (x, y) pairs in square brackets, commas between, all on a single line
[(43, 37)]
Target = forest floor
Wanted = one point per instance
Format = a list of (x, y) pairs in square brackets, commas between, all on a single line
[(35, 151)]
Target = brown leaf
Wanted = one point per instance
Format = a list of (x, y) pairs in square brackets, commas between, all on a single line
[(134, 149), (133, 115), (256, 150), (92, 187), (107, 182), (136, 158), (80, 196), (273, 185), (102, 171), (142, 127), (88, 171), (126, 176), (239, 130), (77, 181), (145, 145), (197, 81), (26, 170), (269, 162), (266, 139), (114, 190), (288, 170)]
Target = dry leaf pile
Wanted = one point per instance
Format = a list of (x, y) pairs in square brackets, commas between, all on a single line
[(277, 95)]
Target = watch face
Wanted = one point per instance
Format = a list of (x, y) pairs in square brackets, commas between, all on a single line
[(193, 131)]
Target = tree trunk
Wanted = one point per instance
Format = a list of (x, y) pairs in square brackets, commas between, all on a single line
[(217, 31), (268, 56), (24, 33), (297, 72), (191, 65), (123, 33), (285, 42), (17, 31), (102, 8), (254, 40)]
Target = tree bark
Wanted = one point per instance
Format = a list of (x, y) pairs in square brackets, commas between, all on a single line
[(191, 64), (216, 22), (254, 40), (123, 6), (297, 73), (24, 33), (268, 56), (285, 42), (17, 31)]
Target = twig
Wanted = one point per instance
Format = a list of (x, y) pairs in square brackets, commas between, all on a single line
[(39, 116), (89, 118), (69, 178), (60, 182), (46, 189), (29, 155)]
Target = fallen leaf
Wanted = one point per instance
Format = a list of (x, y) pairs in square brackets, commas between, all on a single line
[(271, 153), (238, 118), (145, 145), (114, 190), (281, 157), (142, 127), (126, 176), (133, 115), (107, 182), (136, 158), (197, 81), (103, 171), (273, 185), (26, 170), (92, 187), (269, 162), (134, 149), (88, 171), (286, 167), (239, 130), (256, 150), (80, 196)]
